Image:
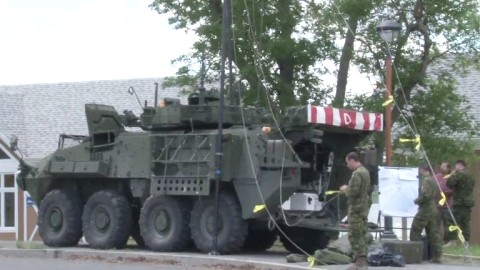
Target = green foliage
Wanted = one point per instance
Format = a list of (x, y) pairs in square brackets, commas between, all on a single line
[(432, 32), (281, 48), (442, 119), (184, 79), (277, 35), (439, 115)]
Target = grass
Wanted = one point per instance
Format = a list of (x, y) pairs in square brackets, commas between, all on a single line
[(473, 250), (30, 245), (131, 242)]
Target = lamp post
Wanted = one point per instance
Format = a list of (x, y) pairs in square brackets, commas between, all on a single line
[(388, 31)]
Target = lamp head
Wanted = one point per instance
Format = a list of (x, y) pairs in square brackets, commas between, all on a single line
[(389, 30)]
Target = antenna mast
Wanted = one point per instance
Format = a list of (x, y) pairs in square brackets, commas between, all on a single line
[(226, 26), (201, 89)]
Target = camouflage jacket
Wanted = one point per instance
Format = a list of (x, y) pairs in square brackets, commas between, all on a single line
[(427, 200), (358, 188), (462, 183)]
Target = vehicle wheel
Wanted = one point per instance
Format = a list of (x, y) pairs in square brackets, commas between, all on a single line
[(136, 227), (164, 223), (60, 218), (107, 220), (259, 240), (307, 239), (232, 229)]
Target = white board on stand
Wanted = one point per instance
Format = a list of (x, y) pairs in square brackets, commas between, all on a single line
[(398, 189)]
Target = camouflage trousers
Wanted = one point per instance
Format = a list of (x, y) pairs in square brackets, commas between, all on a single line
[(445, 219), (427, 219), (357, 231), (462, 216)]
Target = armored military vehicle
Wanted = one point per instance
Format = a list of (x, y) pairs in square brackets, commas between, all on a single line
[(156, 183)]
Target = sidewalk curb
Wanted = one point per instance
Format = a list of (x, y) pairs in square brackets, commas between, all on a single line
[(185, 259), (464, 257)]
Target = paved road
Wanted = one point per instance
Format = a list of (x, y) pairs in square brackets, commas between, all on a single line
[(95, 262), (13, 263)]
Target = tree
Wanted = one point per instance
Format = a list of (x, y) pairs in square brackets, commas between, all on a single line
[(445, 133), (434, 30), (269, 33), (282, 47), (355, 11)]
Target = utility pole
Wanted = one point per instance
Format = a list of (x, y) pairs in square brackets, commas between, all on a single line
[(388, 233), (388, 111), (226, 25)]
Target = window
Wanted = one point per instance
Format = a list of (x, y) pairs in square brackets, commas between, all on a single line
[(103, 138), (7, 202)]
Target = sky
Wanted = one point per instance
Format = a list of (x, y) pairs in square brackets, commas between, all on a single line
[(48, 41), (71, 40)]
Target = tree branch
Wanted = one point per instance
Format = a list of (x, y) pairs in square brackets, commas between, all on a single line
[(419, 77), (345, 58), (378, 65)]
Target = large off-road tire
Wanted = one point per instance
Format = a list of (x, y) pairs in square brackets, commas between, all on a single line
[(164, 223), (60, 218), (308, 240), (259, 240), (136, 227), (107, 220), (232, 229)]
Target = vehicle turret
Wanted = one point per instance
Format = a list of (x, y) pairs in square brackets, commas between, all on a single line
[(201, 112)]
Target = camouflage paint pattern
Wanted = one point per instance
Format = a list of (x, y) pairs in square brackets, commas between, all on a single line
[(358, 203), (426, 217), (462, 183)]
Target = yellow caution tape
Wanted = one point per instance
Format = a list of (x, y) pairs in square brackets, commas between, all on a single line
[(459, 232), (258, 207), (388, 101), (311, 261), (443, 199), (417, 140), (331, 192)]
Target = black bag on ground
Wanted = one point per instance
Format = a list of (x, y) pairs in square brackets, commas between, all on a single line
[(379, 257)]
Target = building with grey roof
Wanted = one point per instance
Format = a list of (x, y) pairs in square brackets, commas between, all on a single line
[(38, 113), (467, 85)]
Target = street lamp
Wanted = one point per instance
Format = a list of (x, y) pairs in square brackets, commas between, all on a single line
[(388, 31)]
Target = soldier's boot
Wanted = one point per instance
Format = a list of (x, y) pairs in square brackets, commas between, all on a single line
[(436, 259), (295, 258), (360, 264), (352, 266)]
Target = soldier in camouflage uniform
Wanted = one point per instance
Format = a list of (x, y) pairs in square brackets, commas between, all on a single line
[(358, 202), (444, 213), (426, 217), (462, 182)]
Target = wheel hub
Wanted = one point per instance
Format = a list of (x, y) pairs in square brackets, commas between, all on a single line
[(210, 222), (161, 222), (102, 219), (56, 219)]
